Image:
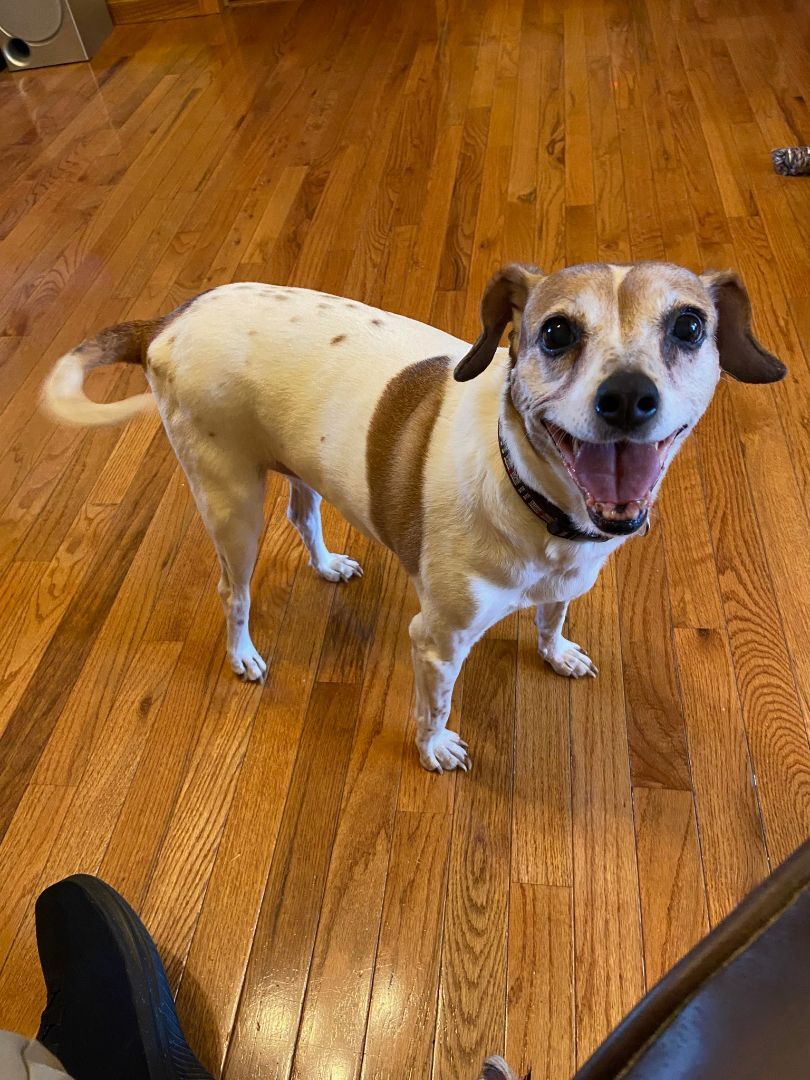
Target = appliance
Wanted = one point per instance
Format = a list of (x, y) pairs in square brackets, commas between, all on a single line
[(40, 33)]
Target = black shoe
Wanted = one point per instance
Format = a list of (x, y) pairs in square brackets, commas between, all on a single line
[(110, 1012)]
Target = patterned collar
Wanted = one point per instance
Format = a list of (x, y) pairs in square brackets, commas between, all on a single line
[(556, 520)]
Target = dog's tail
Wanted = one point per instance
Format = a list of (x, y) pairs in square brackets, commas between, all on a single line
[(63, 395), (495, 1068)]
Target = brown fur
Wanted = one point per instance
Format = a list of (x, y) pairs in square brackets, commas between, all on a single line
[(128, 342), (398, 441), (125, 343)]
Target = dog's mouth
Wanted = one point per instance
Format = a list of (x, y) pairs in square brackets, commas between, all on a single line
[(617, 479)]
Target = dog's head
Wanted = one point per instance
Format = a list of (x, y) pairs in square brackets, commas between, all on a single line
[(613, 365)]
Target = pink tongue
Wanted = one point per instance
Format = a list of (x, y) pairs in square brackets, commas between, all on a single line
[(617, 472)]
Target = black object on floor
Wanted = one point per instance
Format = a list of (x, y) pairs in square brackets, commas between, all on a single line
[(110, 1010)]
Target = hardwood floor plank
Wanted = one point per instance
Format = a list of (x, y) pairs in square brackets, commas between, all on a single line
[(402, 1012), (472, 992), (541, 796), (344, 956), (673, 897), (732, 848), (764, 670), (607, 936), (539, 1008), (24, 850), (136, 839), (655, 727), (33, 719), (270, 1007)]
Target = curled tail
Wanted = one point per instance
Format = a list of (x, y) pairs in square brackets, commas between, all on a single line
[(63, 395)]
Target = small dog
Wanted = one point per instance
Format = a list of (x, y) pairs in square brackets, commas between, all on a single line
[(501, 477)]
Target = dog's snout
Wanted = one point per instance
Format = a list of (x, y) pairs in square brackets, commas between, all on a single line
[(626, 400)]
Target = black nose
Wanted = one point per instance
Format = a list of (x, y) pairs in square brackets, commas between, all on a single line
[(627, 400)]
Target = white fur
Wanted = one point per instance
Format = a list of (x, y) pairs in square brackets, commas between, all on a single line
[(64, 399), (253, 377)]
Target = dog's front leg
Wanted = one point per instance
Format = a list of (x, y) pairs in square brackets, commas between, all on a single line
[(437, 658), (564, 656)]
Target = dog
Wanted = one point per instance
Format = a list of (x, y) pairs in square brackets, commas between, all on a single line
[(502, 477)]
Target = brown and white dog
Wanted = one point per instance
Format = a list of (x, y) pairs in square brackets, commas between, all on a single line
[(507, 491)]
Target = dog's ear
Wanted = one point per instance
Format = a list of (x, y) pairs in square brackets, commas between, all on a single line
[(505, 294), (495, 1068), (741, 355)]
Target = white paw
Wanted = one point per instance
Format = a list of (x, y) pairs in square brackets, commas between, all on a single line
[(247, 663), (443, 751), (566, 658), (339, 568)]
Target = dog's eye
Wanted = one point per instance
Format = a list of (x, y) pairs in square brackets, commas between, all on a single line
[(688, 328), (557, 334)]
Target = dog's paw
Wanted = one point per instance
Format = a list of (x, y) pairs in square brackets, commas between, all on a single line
[(567, 658), (444, 752), (339, 568), (247, 663)]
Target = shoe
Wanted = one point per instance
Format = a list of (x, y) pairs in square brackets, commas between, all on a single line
[(110, 1013)]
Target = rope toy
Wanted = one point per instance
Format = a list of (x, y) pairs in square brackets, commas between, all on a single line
[(792, 161)]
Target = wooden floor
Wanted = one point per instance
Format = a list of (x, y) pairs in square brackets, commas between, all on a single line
[(326, 909)]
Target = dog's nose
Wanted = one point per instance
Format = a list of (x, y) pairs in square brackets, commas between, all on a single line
[(627, 400)]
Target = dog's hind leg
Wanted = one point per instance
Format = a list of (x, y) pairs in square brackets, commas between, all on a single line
[(304, 511), (228, 489), (564, 656)]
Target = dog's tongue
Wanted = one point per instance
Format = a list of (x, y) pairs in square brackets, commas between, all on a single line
[(617, 472)]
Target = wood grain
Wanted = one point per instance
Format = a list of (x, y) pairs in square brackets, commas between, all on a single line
[(607, 934), (324, 906), (133, 11), (402, 1011), (269, 1011), (673, 898), (540, 1007), (472, 988)]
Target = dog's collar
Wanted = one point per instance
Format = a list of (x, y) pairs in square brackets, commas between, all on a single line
[(557, 521)]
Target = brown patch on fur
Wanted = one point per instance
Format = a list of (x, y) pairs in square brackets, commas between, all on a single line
[(376, 322), (398, 441), (125, 343), (337, 340), (128, 342), (252, 333), (645, 293), (562, 293), (323, 307)]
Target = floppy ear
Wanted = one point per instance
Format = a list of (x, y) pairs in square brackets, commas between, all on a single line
[(505, 294), (741, 355)]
